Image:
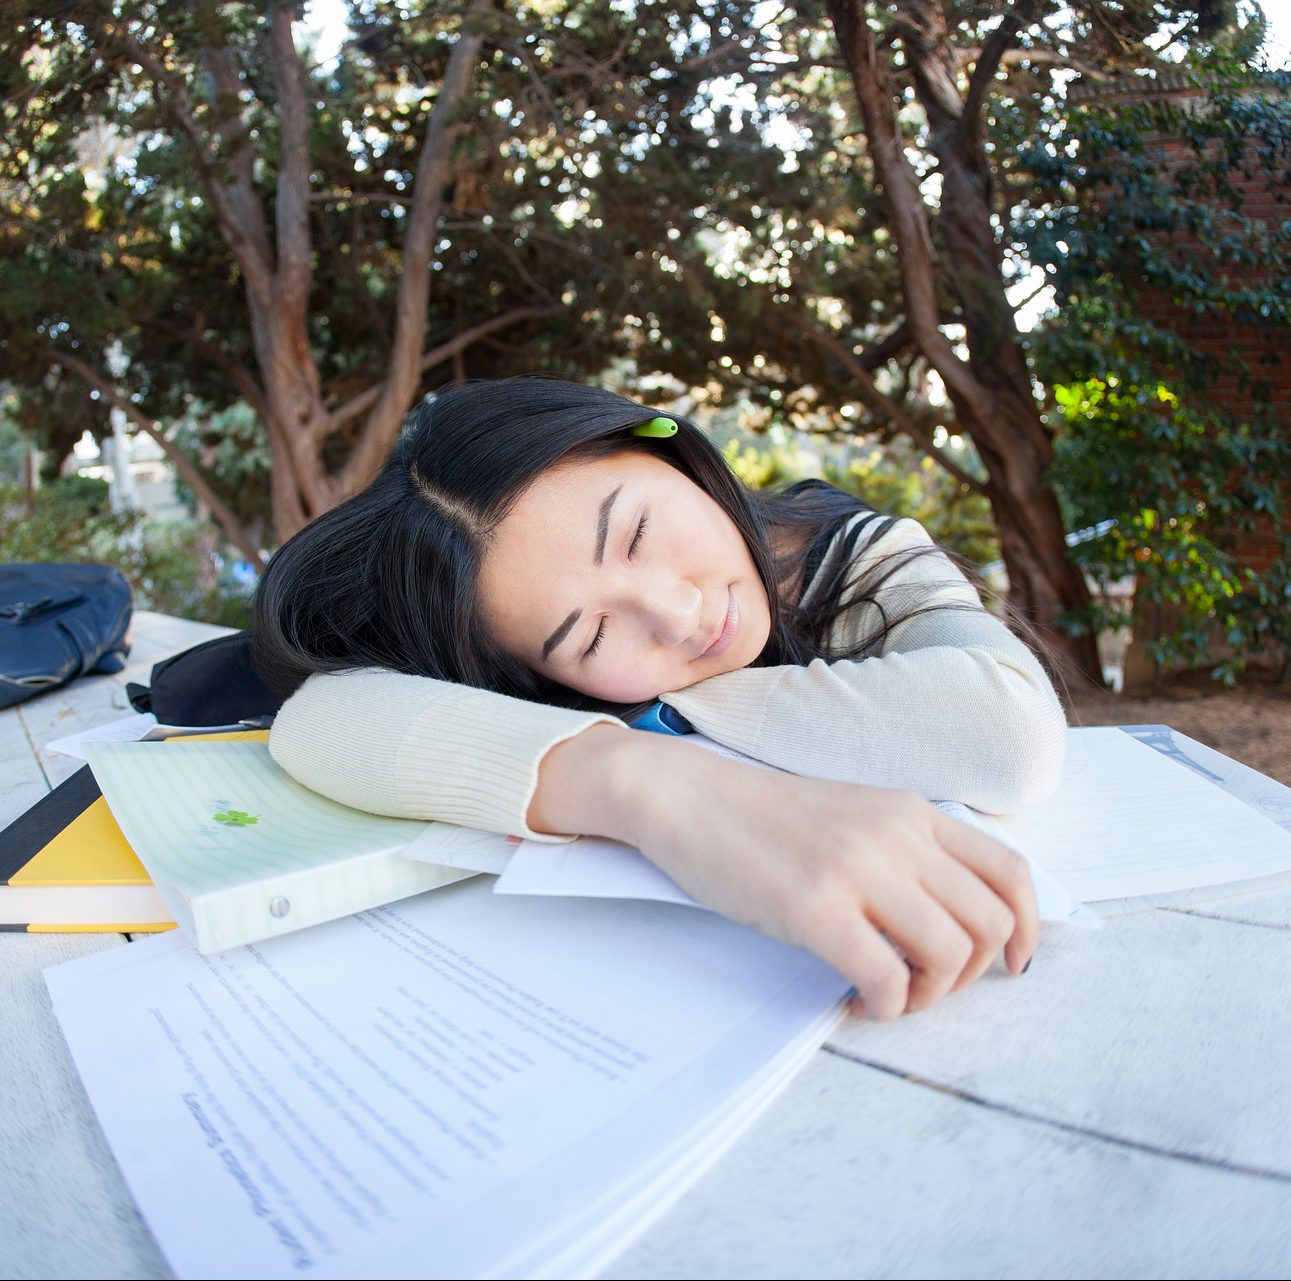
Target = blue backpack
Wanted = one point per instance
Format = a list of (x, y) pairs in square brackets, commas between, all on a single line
[(58, 622)]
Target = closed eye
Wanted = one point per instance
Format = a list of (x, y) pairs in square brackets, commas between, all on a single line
[(590, 651)]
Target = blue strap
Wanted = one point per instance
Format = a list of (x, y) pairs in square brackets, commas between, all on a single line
[(659, 718)]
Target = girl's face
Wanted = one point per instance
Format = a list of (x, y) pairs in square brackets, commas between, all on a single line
[(620, 578)]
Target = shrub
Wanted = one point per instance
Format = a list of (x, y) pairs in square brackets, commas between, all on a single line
[(172, 567)]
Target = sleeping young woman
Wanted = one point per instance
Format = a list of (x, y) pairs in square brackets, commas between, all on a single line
[(539, 561)]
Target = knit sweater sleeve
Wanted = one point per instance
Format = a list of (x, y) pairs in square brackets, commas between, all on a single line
[(952, 705), (414, 747)]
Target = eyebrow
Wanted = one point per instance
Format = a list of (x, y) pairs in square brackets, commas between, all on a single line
[(603, 523), (559, 634), (602, 534)]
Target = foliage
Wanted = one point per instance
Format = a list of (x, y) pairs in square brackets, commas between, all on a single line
[(70, 520), (583, 149), (683, 184), (234, 457), (683, 181), (892, 479), (63, 521), (1174, 438), (15, 442)]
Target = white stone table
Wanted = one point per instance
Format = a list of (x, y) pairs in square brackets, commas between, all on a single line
[(1124, 1109), (64, 1211)]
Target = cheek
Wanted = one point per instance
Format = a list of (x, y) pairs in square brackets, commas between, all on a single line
[(632, 678), (630, 684), (760, 633)]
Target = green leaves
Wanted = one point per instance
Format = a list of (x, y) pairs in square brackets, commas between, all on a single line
[(1169, 261)]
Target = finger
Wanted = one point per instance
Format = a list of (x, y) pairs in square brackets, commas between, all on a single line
[(985, 916), (849, 943), (1006, 873), (936, 946)]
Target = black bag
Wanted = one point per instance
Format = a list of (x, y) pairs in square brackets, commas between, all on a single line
[(213, 683), (58, 622)]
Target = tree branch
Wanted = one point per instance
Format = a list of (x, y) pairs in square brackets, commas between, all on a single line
[(900, 183), (292, 206), (233, 136), (885, 349), (875, 401), (419, 240), (359, 198), (280, 329), (246, 239), (238, 374), (183, 464), (1050, 57), (988, 62), (1044, 284), (536, 81), (435, 356)]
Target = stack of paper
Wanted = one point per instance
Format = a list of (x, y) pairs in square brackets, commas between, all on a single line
[(142, 727), (461, 1085)]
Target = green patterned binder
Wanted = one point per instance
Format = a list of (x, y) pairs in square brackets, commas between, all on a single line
[(240, 851)]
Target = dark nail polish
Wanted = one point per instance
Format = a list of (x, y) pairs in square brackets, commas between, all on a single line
[(1027, 966)]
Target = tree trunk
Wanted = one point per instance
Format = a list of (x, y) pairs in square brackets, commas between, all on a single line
[(299, 485), (991, 390), (272, 245), (413, 292), (1044, 583)]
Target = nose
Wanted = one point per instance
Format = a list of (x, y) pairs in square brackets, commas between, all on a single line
[(670, 608)]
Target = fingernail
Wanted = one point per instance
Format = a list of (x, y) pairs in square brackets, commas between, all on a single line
[(1027, 966)]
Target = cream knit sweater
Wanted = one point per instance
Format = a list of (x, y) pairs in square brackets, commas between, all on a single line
[(954, 707)]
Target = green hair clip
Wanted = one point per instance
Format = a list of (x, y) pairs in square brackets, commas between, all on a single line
[(660, 427)]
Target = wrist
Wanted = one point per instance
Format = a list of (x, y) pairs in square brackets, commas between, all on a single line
[(591, 784), (621, 783)]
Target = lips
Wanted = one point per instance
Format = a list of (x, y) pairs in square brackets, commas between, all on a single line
[(730, 629)]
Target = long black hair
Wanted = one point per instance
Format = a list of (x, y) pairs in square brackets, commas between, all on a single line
[(389, 577)]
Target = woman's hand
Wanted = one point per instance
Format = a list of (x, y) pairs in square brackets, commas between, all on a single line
[(903, 901)]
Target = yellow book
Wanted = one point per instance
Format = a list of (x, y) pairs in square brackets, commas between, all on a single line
[(65, 866)]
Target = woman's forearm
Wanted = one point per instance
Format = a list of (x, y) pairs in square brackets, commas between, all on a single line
[(414, 747), (834, 867), (971, 724), (902, 900)]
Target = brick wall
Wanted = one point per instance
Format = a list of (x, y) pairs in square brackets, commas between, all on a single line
[(1265, 351)]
